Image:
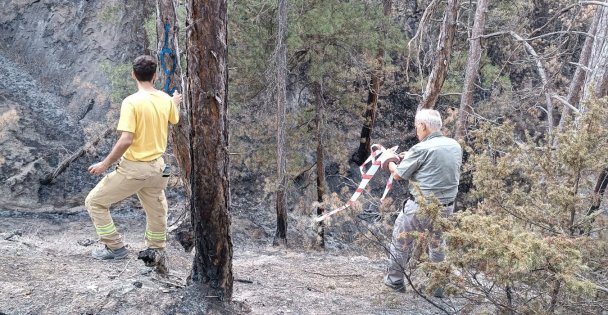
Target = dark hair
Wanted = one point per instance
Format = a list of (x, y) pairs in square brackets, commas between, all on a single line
[(144, 67)]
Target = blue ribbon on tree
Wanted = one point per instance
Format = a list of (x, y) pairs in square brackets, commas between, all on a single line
[(166, 51)]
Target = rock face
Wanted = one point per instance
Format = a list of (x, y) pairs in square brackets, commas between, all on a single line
[(54, 94)]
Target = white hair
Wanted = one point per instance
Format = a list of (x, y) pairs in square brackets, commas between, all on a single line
[(430, 117)]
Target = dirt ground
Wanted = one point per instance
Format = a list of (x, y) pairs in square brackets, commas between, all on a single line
[(46, 268)]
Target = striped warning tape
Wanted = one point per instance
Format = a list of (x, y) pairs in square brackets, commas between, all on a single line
[(366, 176)]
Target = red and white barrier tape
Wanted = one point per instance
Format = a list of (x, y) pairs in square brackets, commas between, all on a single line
[(366, 176)]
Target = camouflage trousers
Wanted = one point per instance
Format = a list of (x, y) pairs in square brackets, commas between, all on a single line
[(402, 242)]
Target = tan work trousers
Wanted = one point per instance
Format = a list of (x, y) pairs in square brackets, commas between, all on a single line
[(141, 178)]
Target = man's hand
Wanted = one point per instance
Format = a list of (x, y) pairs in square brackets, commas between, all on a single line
[(403, 155), (177, 98), (98, 168)]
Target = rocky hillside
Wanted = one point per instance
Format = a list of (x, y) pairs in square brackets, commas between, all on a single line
[(55, 94)]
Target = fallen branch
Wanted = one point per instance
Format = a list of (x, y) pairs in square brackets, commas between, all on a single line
[(335, 275), (49, 178), (243, 280)]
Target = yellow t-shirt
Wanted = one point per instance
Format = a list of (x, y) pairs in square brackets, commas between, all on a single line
[(146, 115)]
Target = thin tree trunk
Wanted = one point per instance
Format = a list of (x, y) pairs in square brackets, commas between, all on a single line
[(372, 99), (321, 186), (472, 70), (444, 51), (599, 191), (281, 68), (597, 79), (210, 202), (576, 85), (543, 77), (180, 133), (554, 296)]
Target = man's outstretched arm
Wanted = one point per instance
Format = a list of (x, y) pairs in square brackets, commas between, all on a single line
[(121, 146), (392, 168)]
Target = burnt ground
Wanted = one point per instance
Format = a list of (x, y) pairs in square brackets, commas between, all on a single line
[(46, 268)]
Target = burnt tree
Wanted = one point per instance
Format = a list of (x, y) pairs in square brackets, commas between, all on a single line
[(180, 134), (167, 31), (280, 236), (321, 183), (210, 202), (372, 99)]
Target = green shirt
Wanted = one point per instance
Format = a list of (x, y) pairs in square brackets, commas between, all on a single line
[(433, 165)]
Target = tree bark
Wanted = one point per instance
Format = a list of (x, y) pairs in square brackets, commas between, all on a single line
[(210, 203), (280, 236), (372, 99), (599, 191), (444, 51), (472, 70), (576, 85), (596, 82), (321, 186), (180, 134)]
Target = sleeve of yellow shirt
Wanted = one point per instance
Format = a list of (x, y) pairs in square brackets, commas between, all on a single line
[(174, 114), (126, 122)]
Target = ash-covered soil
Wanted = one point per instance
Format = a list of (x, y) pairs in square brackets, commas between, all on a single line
[(46, 268)]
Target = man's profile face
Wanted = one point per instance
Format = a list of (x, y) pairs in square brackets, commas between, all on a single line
[(420, 130)]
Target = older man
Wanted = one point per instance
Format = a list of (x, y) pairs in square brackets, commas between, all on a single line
[(433, 169)]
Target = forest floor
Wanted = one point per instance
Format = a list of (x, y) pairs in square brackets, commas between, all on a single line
[(46, 268)]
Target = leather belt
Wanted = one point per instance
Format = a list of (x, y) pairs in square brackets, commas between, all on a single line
[(412, 198)]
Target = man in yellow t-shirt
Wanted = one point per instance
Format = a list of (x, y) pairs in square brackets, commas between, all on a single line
[(143, 123)]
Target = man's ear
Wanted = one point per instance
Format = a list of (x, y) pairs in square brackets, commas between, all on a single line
[(133, 76)]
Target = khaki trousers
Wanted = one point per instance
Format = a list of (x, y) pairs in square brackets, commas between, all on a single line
[(141, 178), (402, 242)]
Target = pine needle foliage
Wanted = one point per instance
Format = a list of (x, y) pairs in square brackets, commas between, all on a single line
[(530, 245)]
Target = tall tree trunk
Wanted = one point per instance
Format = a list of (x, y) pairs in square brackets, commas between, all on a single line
[(281, 68), (576, 85), (442, 60), (321, 186), (372, 99), (596, 82), (472, 70), (208, 95), (180, 133)]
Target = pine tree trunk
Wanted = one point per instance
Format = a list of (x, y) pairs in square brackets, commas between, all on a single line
[(372, 100), (472, 70), (280, 236), (442, 60), (321, 186), (210, 202), (576, 85)]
